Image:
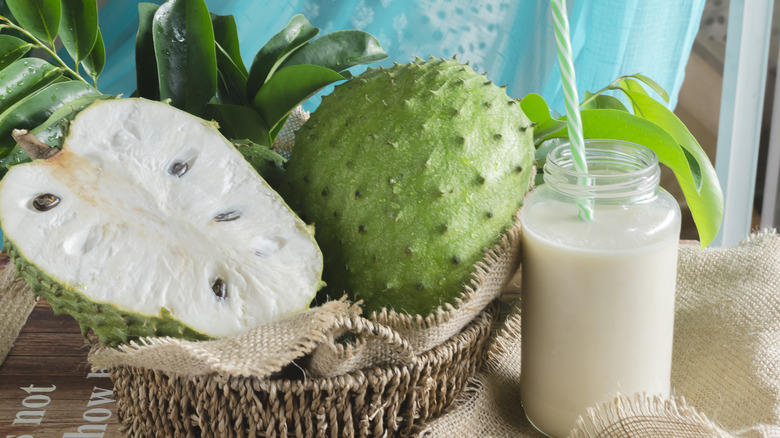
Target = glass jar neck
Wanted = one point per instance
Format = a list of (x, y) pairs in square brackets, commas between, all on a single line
[(617, 171)]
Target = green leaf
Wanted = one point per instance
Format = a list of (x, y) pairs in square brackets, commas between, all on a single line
[(278, 127), (238, 122), (186, 55), (603, 101), (11, 49), (33, 110), (12, 158), (288, 88), (339, 51), (40, 17), (297, 32), (654, 85), (705, 203), (704, 180), (265, 160), (23, 77), (145, 60), (52, 130), (78, 27), (96, 60), (232, 72), (232, 83), (226, 35), (534, 106)]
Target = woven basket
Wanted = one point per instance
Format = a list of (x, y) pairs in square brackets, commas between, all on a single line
[(380, 401)]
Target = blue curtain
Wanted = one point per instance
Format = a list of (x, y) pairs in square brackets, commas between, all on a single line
[(511, 40)]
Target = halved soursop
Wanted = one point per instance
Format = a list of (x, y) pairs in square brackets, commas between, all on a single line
[(149, 223), (408, 173)]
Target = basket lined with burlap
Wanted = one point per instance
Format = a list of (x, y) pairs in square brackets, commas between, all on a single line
[(327, 371), (299, 377)]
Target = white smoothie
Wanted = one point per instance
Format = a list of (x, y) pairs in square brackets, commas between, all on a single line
[(597, 306)]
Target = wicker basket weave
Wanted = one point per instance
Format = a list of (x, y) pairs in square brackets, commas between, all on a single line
[(380, 401)]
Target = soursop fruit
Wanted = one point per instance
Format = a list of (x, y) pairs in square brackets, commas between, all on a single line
[(408, 173), (149, 223)]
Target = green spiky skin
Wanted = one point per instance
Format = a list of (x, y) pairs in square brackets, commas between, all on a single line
[(408, 173), (112, 325)]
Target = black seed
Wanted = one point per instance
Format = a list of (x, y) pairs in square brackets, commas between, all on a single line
[(408, 250), (357, 194), (335, 214), (305, 179), (480, 179), (497, 136), (45, 202), (361, 228), (227, 217), (518, 168), (220, 288), (456, 260), (490, 214), (324, 192), (420, 286), (524, 128), (179, 169)]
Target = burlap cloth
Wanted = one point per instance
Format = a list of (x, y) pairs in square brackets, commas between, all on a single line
[(725, 371), (726, 361)]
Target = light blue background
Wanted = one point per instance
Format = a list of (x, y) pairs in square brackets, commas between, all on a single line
[(511, 40)]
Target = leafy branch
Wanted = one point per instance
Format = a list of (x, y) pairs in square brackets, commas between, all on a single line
[(651, 124), (184, 54), (38, 44)]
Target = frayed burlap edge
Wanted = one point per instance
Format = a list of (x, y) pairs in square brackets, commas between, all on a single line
[(390, 339), (259, 352), (424, 333), (373, 402), (641, 416), (16, 302)]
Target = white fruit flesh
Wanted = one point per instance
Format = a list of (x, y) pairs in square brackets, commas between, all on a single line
[(130, 232)]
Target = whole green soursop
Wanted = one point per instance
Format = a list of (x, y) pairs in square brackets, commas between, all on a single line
[(408, 173), (149, 223)]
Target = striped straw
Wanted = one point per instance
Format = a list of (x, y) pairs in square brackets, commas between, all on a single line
[(573, 119)]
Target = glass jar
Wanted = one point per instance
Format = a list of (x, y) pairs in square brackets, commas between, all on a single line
[(597, 295)]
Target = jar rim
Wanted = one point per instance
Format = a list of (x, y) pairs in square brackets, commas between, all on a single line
[(616, 169)]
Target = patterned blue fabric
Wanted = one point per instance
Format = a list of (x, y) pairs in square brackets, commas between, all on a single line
[(511, 40)]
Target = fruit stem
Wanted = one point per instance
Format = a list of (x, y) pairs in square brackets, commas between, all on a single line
[(34, 148)]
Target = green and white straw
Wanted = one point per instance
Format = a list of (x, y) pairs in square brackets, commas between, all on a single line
[(573, 119)]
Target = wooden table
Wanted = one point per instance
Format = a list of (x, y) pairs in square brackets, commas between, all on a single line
[(47, 389)]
